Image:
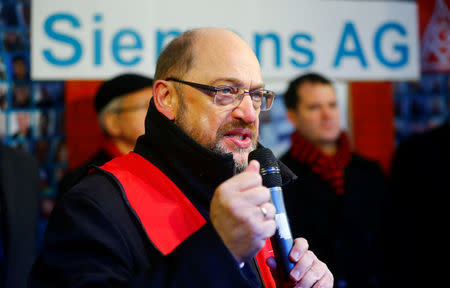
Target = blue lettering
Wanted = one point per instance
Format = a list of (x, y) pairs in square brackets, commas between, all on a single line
[(97, 42), (161, 37), (59, 37), (402, 49), (259, 38), (350, 34), (297, 47), (117, 47)]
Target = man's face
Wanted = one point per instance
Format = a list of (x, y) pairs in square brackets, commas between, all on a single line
[(23, 122), (20, 69), (132, 115), (221, 129), (317, 115)]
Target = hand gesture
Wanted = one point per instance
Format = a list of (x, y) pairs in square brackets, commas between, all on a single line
[(242, 214)]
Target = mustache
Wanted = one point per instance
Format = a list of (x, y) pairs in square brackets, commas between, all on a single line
[(235, 124)]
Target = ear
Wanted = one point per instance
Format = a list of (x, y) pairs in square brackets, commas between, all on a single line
[(165, 98), (112, 125), (292, 117)]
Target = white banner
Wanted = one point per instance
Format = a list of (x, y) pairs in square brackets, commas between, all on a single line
[(346, 40)]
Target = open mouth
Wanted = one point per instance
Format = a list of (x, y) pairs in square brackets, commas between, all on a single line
[(242, 138)]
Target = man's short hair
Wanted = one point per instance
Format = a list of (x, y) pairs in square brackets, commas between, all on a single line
[(291, 98), (176, 59)]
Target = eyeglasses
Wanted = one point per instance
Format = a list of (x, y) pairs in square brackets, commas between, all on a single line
[(225, 95)]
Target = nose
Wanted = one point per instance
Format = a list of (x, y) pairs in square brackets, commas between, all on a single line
[(245, 110)]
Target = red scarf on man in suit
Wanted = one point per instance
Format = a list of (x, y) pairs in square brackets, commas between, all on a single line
[(330, 168)]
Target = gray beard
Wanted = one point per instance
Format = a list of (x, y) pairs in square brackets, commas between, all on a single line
[(239, 166), (215, 147)]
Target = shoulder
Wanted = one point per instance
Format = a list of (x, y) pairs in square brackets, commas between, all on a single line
[(95, 186), (429, 141), (17, 155), (99, 196), (365, 165), (74, 176), (288, 160)]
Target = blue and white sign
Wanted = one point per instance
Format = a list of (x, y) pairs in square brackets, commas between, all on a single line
[(345, 40)]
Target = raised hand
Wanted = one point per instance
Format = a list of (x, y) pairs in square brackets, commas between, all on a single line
[(242, 214)]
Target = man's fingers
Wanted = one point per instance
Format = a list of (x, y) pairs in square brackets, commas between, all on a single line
[(253, 166), (242, 182), (313, 275), (302, 266), (269, 210), (256, 195), (308, 271), (326, 281), (298, 249), (268, 228)]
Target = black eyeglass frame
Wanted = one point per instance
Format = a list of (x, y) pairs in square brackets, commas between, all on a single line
[(270, 95)]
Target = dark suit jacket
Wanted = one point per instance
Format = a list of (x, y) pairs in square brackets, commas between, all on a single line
[(421, 209), (19, 198), (74, 176), (94, 239), (345, 232)]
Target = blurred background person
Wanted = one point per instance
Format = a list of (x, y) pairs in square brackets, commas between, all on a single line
[(45, 99), (21, 96), (19, 188), (23, 124), (44, 124), (42, 150), (19, 68), (121, 104), (12, 41), (421, 204), (345, 192)]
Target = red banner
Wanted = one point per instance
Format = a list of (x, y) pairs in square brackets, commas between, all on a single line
[(434, 23)]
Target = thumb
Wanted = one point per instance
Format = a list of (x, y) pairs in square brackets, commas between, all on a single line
[(253, 166)]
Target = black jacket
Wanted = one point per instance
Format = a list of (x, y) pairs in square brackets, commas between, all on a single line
[(421, 209), (344, 231), (93, 238), (19, 211), (73, 177)]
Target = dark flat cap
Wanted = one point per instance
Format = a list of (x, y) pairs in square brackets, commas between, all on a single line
[(119, 86)]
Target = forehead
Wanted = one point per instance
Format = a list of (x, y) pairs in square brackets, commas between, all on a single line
[(222, 56), (308, 92)]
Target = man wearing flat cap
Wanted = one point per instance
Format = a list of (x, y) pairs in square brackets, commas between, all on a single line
[(121, 104)]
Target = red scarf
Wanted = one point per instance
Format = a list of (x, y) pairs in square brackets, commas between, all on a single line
[(329, 168)]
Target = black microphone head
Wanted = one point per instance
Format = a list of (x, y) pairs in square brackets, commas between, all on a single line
[(270, 171)]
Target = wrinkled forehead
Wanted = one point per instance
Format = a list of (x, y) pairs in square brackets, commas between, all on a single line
[(224, 55)]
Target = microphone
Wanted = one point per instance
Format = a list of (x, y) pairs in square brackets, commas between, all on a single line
[(282, 241)]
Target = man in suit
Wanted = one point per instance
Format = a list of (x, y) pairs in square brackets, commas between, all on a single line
[(19, 180), (184, 209), (421, 204), (343, 193)]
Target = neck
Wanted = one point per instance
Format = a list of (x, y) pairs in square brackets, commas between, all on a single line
[(123, 147), (328, 148)]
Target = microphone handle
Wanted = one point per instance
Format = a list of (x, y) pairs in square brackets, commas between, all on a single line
[(282, 241)]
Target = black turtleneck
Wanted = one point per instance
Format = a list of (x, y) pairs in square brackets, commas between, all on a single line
[(196, 170)]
